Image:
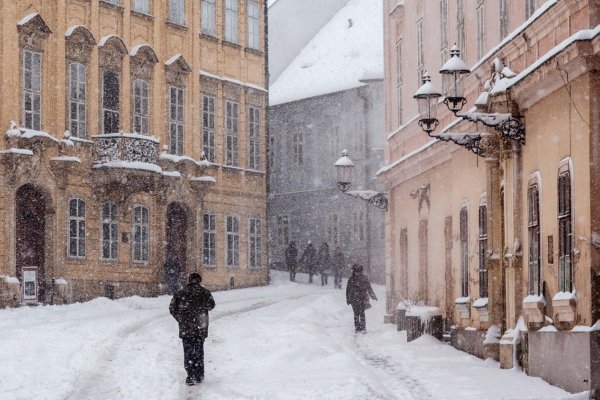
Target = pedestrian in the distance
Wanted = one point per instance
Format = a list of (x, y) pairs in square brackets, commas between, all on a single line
[(190, 307), (309, 260), (172, 269), (338, 261), (358, 292), (324, 262), (291, 260)]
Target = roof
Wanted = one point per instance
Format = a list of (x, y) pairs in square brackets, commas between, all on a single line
[(347, 48)]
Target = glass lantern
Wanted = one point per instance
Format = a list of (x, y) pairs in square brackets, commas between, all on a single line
[(344, 167), (427, 99), (454, 87)]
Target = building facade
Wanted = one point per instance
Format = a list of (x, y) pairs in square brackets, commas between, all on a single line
[(136, 132), (497, 232), (320, 107)]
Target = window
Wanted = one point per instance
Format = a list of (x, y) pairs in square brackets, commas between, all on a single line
[(444, 22), (400, 104), (283, 236), (253, 25), (481, 29), (420, 56), (254, 243), (403, 244), (233, 241), (504, 18), (141, 107), (460, 27), (177, 12), (141, 234), (77, 100), (332, 230), (529, 8), (32, 90), (483, 235), (464, 252), (115, 2), (176, 121), (399, 62), (565, 233), (110, 102), (208, 18), (208, 127), (231, 21), (76, 228), (141, 6), (110, 231), (533, 228), (254, 138), (209, 237), (361, 226), (298, 148), (231, 133)]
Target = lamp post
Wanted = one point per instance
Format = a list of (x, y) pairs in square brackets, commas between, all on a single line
[(453, 72), (344, 166)]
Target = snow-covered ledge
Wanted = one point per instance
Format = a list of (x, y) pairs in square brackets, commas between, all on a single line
[(463, 306), (564, 305), (534, 311), (481, 307)]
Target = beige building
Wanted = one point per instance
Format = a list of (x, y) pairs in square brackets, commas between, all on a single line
[(501, 234), (134, 129)]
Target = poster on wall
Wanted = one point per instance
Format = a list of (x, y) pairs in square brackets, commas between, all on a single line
[(30, 285)]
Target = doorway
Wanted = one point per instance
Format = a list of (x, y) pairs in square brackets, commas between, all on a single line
[(30, 229), (177, 226)]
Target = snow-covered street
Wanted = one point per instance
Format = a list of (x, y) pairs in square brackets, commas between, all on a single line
[(285, 341)]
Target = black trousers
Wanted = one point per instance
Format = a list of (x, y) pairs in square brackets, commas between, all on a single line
[(360, 323), (193, 356)]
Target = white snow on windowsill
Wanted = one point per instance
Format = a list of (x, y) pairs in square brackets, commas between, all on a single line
[(208, 179), (235, 81), (565, 296), (173, 174), (462, 300), (10, 279), (61, 281), (480, 302), (534, 299), (12, 150), (177, 159), (66, 158)]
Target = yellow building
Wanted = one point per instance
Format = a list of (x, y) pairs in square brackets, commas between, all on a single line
[(503, 241), (135, 129)]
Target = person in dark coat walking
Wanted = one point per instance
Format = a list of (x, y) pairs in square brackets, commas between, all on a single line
[(323, 262), (309, 260), (172, 269), (190, 307), (338, 261), (358, 292), (291, 260)]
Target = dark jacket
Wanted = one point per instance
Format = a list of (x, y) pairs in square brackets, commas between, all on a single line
[(337, 262), (187, 305), (291, 256), (358, 290), (323, 258), (309, 257)]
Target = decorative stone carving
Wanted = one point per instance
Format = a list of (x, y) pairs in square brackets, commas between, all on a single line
[(79, 43), (177, 70), (142, 60), (33, 30)]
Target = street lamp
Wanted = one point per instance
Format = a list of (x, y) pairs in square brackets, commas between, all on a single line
[(453, 72), (344, 166)]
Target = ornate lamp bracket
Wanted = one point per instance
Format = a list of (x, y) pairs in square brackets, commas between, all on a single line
[(509, 127), (377, 199)]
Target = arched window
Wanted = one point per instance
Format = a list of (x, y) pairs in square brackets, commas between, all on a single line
[(565, 233), (76, 228), (141, 234), (77, 99), (141, 107), (533, 228)]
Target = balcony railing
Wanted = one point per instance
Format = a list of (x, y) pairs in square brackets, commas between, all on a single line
[(126, 147)]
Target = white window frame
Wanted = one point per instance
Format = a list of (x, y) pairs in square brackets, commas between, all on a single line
[(253, 22), (481, 39), (176, 120), (141, 106), (254, 243), (209, 235), (283, 229), (232, 115), (76, 244), (209, 104), (231, 24), (232, 241), (177, 12), (141, 6), (32, 89), (504, 18), (77, 100), (110, 221), (208, 24), (140, 247), (254, 138)]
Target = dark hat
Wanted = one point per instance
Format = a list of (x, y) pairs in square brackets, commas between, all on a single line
[(357, 268), (195, 277)]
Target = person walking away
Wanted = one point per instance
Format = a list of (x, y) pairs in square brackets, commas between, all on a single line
[(309, 259), (172, 269), (323, 260), (337, 263), (291, 260), (358, 292), (190, 307)]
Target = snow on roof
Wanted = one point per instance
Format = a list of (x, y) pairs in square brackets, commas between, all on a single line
[(270, 3), (27, 18), (345, 50)]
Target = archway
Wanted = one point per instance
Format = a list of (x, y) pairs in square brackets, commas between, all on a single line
[(177, 226), (30, 232)]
